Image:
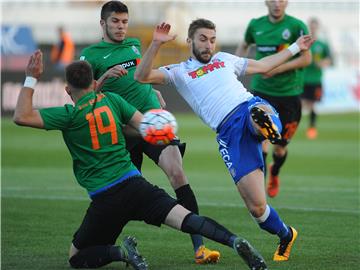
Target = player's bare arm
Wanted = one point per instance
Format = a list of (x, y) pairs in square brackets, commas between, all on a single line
[(144, 72), (268, 63), (302, 61), (132, 127), (135, 120), (24, 114), (114, 72), (160, 98)]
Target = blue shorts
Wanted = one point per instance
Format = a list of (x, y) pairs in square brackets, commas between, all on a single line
[(239, 145)]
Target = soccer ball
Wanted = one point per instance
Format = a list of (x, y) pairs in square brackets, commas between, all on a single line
[(158, 127)]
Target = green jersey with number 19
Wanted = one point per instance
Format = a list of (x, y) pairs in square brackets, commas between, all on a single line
[(103, 56), (92, 132), (269, 39)]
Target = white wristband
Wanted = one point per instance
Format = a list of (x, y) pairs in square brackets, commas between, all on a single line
[(30, 82), (294, 48)]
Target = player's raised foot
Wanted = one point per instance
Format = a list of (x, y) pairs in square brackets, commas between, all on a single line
[(204, 255), (282, 253), (133, 256), (311, 133), (273, 184), (249, 254), (267, 128)]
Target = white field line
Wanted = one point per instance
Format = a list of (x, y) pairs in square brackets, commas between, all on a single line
[(211, 189), (201, 203)]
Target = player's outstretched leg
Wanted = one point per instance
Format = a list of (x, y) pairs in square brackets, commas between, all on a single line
[(209, 228), (132, 255), (265, 124), (250, 255), (171, 162), (282, 253)]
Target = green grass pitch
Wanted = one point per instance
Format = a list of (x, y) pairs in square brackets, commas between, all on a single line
[(42, 205)]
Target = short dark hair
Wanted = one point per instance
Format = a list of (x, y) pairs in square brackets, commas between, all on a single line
[(79, 74), (113, 6), (200, 23)]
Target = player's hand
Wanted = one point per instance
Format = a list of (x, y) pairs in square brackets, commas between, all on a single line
[(35, 66), (115, 72), (305, 42), (160, 98), (161, 33)]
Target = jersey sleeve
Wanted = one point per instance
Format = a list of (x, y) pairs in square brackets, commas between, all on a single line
[(57, 118), (86, 56), (170, 74), (248, 37), (125, 110), (240, 64), (303, 29)]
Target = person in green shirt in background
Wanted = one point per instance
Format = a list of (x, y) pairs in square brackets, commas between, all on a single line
[(92, 131), (313, 77), (114, 61), (283, 85)]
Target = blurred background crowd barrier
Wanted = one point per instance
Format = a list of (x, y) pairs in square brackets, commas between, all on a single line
[(28, 25)]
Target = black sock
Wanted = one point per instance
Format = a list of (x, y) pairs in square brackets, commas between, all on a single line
[(209, 228), (312, 118), (186, 198), (96, 256), (278, 162), (264, 154)]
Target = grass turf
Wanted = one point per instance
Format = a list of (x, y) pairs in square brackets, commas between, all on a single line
[(42, 205)]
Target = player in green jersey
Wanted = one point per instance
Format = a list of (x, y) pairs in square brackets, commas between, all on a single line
[(92, 131), (114, 61), (282, 86), (313, 77)]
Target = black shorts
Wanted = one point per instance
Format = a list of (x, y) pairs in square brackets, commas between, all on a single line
[(109, 211), (312, 92), (137, 146), (289, 109)]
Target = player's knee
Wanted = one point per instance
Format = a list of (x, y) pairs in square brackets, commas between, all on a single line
[(280, 150), (257, 210)]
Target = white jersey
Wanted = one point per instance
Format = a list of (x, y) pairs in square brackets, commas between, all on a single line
[(212, 90)]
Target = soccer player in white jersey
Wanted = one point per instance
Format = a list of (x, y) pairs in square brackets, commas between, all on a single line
[(208, 82)]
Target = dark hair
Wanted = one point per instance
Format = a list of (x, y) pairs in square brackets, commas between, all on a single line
[(79, 74), (113, 6), (199, 23)]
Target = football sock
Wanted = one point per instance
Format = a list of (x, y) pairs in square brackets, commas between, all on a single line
[(264, 154), (278, 162), (186, 198), (96, 256), (312, 118), (208, 228), (271, 222)]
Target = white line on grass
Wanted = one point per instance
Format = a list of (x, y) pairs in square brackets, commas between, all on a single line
[(213, 188), (201, 203)]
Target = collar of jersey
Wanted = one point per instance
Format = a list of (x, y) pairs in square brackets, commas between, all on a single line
[(85, 98)]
